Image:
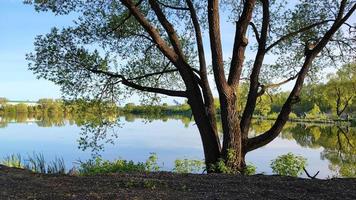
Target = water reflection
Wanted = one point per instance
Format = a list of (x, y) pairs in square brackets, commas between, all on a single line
[(337, 142)]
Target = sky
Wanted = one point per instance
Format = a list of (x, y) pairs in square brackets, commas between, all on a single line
[(19, 25)]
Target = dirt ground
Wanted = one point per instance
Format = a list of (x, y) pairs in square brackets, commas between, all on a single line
[(21, 184)]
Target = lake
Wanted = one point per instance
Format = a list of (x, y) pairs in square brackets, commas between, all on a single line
[(329, 149)]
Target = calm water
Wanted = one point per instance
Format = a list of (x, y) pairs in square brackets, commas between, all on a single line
[(328, 149)]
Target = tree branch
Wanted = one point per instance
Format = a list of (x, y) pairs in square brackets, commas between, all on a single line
[(124, 20), (153, 32), (274, 85), (240, 43), (255, 74), (294, 33), (172, 34), (172, 7), (128, 83), (208, 97), (215, 46), (257, 34)]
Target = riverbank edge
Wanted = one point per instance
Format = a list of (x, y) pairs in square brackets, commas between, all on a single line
[(22, 184)]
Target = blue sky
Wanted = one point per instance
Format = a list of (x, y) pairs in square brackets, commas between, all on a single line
[(19, 25)]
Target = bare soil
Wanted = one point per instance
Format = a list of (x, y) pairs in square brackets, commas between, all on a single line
[(22, 184)]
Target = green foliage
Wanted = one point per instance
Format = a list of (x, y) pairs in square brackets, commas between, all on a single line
[(222, 166), (263, 106), (288, 165), (250, 169), (188, 166), (273, 115), (315, 113), (292, 116), (100, 166), (151, 163)]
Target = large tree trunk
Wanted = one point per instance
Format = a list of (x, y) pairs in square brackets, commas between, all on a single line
[(232, 150), (207, 129)]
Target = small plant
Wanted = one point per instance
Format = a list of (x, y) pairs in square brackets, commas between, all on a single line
[(221, 167), (151, 163), (149, 184), (36, 163), (250, 169), (13, 160), (288, 165), (56, 167), (188, 166)]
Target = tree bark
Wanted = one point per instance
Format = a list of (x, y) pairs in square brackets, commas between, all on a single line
[(207, 130), (232, 151)]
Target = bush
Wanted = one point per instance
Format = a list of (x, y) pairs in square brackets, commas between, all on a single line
[(292, 115), (188, 166), (315, 113), (250, 169), (288, 165), (100, 166), (272, 115)]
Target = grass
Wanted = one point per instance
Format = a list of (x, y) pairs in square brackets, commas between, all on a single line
[(35, 163)]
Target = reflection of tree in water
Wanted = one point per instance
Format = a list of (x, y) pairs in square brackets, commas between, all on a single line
[(50, 120), (338, 143)]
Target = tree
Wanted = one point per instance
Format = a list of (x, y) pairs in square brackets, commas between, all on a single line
[(341, 88), (156, 47), (315, 113), (3, 101)]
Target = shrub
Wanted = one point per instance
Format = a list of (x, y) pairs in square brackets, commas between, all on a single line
[(288, 165), (292, 115), (250, 169), (151, 163), (188, 166), (100, 166)]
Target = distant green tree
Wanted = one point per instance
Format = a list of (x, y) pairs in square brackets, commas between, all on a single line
[(315, 113), (341, 88), (21, 108), (3, 101)]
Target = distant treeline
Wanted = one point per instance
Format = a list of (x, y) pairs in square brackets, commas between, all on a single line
[(334, 100)]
